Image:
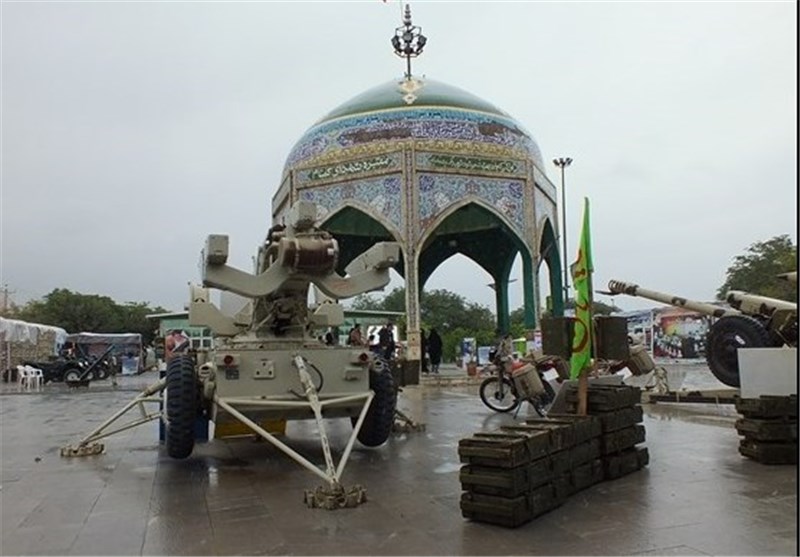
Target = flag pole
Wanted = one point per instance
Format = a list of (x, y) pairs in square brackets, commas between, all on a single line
[(583, 380)]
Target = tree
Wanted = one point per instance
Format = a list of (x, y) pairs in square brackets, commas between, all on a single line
[(77, 313), (755, 271), (447, 312)]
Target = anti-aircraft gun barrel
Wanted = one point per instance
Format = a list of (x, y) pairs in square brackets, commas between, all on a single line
[(620, 287)]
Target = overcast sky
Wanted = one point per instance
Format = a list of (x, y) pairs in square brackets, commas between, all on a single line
[(130, 131)]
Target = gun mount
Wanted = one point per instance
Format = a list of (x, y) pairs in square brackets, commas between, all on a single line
[(266, 365), (751, 322)]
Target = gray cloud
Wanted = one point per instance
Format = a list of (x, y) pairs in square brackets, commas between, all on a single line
[(130, 131)]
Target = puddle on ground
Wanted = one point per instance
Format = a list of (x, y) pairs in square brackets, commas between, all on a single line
[(447, 468)]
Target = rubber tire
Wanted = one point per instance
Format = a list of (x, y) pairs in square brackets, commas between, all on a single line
[(182, 407), (378, 422), (73, 372), (100, 373), (543, 402), (725, 337), (487, 392)]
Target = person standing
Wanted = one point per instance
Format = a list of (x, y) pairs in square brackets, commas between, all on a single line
[(355, 336), (435, 350), (386, 341)]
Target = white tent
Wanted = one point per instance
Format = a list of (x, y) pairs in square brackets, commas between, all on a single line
[(14, 330)]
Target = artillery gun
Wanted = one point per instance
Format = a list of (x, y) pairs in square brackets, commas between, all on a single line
[(266, 365), (751, 322)]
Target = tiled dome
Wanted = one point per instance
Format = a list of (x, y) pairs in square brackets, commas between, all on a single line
[(412, 109)]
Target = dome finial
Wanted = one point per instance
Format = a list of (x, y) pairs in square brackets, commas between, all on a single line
[(408, 40)]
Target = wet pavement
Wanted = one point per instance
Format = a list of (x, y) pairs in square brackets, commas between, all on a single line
[(698, 496)]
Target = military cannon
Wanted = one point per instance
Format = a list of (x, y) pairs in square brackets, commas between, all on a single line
[(750, 322), (266, 365)]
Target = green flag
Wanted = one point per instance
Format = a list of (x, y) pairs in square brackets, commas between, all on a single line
[(582, 281)]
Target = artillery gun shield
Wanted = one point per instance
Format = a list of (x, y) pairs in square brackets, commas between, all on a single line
[(725, 338)]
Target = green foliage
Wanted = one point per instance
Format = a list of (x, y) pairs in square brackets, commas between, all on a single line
[(92, 313), (755, 271)]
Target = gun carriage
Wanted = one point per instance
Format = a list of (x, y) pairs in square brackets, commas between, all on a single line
[(751, 321), (266, 364)]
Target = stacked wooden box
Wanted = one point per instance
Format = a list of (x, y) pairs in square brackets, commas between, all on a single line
[(517, 473), (769, 428), (620, 413)]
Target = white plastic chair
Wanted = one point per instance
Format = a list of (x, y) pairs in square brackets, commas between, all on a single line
[(35, 377), (23, 376)]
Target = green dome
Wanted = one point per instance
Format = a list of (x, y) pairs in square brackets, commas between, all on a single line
[(392, 94)]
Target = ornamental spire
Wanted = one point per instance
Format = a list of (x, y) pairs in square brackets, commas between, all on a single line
[(408, 40)]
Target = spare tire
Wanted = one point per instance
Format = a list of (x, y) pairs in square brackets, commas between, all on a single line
[(183, 404), (379, 420), (725, 338)]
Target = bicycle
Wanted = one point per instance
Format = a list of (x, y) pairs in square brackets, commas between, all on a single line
[(501, 394)]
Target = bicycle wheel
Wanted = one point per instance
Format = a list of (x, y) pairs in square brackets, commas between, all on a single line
[(497, 395)]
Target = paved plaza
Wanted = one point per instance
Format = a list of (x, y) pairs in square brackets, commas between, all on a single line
[(698, 496)]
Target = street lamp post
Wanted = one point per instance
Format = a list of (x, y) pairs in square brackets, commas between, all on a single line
[(562, 163)]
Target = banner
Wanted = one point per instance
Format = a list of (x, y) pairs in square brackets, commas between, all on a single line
[(582, 281)]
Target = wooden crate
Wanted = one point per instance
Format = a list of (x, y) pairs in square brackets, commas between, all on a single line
[(775, 429), (504, 449), (506, 482), (625, 462), (604, 398), (622, 439), (587, 474), (508, 511), (767, 452), (586, 427), (561, 433), (768, 406)]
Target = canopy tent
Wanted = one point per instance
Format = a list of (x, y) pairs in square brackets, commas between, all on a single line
[(22, 331), (14, 330), (106, 338), (21, 341)]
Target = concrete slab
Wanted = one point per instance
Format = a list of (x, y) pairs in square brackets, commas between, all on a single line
[(240, 497)]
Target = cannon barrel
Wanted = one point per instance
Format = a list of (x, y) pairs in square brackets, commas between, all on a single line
[(751, 304), (620, 287)]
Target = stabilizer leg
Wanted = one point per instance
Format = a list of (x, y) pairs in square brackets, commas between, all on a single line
[(89, 446)]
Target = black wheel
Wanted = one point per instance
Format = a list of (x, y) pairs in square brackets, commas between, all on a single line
[(500, 397), (72, 375), (182, 406), (725, 337), (541, 403), (379, 420), (100, 373)]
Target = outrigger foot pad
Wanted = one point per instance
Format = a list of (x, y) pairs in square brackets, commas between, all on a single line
[(407, 427), (90, 449), (335, 497), (404, 424)]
